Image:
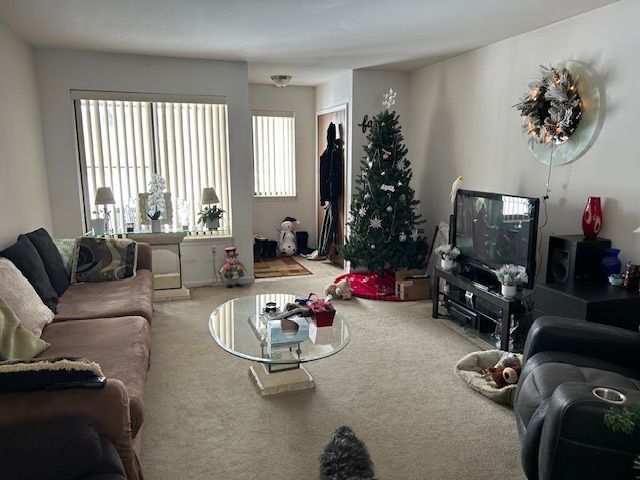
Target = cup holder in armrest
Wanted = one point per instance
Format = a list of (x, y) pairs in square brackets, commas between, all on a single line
[(609, 395)]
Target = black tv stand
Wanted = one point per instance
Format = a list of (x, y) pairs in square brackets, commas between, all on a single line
[(476, 304)]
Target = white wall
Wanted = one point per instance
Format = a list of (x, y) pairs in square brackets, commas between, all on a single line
[(462, 123), (268, 213), (59, 71), (24, 196)]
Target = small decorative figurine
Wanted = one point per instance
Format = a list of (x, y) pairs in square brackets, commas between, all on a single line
[(232, 270)]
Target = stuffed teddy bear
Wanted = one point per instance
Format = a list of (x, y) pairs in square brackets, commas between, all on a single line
[(503, 376), (287, 241), (342, 289)]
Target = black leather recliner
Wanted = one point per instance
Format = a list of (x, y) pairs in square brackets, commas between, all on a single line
[(560, 419), (67, 448)]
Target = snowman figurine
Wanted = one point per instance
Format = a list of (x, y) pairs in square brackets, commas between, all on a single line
[(232, 270), (287, 243)]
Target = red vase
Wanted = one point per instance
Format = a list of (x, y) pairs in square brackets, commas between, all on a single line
[(592, 218)]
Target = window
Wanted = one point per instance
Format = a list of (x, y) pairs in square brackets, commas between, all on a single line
[(274, 157), (123, 139)]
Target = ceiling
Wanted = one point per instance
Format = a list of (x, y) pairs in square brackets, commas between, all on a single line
[(313, 40)]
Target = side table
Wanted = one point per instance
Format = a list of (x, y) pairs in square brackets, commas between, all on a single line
[(167, 263)]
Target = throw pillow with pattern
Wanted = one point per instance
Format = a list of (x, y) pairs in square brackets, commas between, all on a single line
[(103, 260)]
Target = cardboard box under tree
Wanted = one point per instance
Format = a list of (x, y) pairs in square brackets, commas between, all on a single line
[(414, 288), (414, 272)]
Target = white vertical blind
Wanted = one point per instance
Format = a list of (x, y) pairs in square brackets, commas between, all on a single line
[(124, 142), (192, 152), (274, 162)]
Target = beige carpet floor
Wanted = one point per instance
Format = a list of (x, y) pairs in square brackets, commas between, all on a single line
[(394, 385)]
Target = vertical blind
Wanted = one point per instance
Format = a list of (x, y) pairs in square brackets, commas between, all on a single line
[(124, 142), (274, 165)]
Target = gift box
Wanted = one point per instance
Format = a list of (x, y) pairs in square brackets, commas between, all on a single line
[(323, 312)]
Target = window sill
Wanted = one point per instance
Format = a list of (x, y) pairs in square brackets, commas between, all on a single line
[(283, 198)]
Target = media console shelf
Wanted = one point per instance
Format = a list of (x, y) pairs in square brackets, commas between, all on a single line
[(476, 303)]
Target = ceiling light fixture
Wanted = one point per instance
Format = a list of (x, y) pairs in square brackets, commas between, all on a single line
[(281, 81)]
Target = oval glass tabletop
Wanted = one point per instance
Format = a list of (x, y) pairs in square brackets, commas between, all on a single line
[(240, 327)]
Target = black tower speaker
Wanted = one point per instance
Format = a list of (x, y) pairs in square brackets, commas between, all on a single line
[(574, 257)]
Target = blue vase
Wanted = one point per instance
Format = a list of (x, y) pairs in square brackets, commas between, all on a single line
[(610, 264)]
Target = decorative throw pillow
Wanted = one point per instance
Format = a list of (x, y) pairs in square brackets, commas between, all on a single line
[(67, 248), (49, 373), (25, 256), (16, 342), (21, 297), (103, 260), (50, 258)]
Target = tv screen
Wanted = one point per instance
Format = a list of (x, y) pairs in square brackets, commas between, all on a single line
[(492, 229)]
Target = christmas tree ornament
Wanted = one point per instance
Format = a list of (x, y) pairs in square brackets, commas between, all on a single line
[(389, 208), (399, 184), (367, 196), (373, 247), (375, 222), (362, 211), (386, 154), (370, 145), (402, 237), (382, 173), (387, 188), (370, 164)]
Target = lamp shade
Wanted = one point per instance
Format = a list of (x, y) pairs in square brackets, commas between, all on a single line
[(209, 196), (104, 196)]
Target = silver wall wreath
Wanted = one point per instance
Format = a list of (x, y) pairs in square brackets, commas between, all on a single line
[(591, 91)]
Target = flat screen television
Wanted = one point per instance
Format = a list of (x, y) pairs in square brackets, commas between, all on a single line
[(491, 229)]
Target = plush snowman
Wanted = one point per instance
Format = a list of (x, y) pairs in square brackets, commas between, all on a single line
[(287, 243)]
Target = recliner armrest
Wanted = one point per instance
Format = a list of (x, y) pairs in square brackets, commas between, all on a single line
[(611, 344), (106, 408), (575, 441)]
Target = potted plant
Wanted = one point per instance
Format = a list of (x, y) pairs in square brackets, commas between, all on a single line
[(210, 217), (155, 201), (448, 253), (510, 276)]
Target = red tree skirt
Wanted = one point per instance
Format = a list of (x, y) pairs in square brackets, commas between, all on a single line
[(374, 286)]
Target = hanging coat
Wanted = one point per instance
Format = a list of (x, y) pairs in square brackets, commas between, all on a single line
[(331, 168)]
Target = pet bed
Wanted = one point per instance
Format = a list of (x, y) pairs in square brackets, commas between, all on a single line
[(470, 368)]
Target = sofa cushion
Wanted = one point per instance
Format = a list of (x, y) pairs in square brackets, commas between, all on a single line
[(25, 256), (119, 345), (104, 260), (51, 258), (66, 247), (21, 297), (131, 296), (16, 342)]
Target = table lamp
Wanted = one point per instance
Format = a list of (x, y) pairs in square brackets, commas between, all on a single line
[(104, 197), (209, 196)]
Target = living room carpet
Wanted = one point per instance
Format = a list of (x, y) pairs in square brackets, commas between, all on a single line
[(279, 267), (393, 384)]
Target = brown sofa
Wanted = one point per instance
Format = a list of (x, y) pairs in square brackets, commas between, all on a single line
[(108, 323)]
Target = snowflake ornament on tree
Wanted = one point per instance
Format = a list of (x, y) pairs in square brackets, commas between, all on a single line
[(389, 99), (375, 222)]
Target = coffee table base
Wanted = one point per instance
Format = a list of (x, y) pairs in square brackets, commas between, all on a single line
[(278, 382)]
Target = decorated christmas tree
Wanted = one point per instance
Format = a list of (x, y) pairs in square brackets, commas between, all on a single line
[(383, 221)]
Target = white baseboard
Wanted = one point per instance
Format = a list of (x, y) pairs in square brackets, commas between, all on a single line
[(207, 283)]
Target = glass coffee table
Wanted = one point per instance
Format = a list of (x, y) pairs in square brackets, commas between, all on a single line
[(240, 326)]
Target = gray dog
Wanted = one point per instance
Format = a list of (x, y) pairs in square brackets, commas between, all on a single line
[(346, 458)]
